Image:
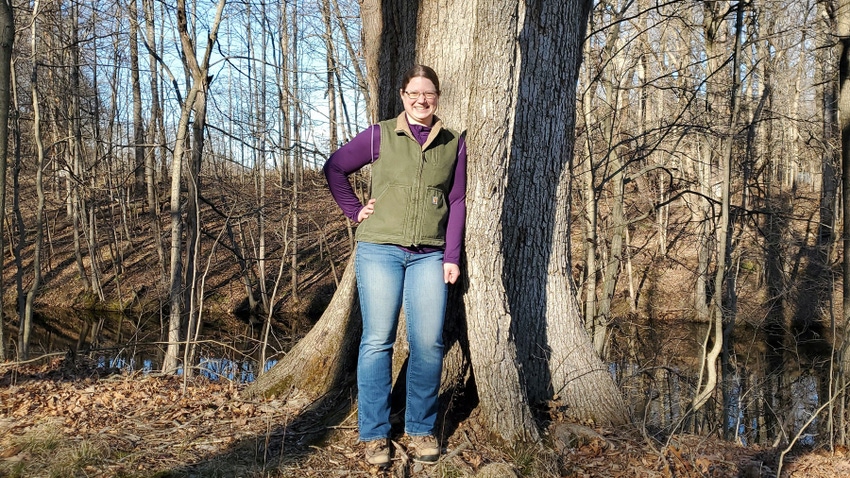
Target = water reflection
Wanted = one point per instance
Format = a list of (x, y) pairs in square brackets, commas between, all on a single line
[(660, 396), (217, 368), (661, 400), (229, 349)]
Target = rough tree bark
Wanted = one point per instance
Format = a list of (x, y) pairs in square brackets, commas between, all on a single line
[(521, 148), (526, 341)]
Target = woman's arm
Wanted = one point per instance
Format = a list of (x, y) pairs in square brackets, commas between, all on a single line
[(363, 149), (457, 207)]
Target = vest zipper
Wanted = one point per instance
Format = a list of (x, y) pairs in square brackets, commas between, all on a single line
[(417, 204)]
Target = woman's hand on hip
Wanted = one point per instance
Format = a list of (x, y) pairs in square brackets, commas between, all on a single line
[(367, 211), (451, 272)]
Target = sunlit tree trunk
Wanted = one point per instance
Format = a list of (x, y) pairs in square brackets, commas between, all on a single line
[(193, 106), (526, 341), (19, 227), (713, 29), (255, 282), (95, 153), (723, 305), (78, 209), (297, 156), (169, 364), (519, 267), (154, 136), (116, 191), (261, 147), (285, 102), (25, 327), (613, 179)]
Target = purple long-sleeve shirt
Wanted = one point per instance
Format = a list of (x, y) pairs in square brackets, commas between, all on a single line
[(364, 149)]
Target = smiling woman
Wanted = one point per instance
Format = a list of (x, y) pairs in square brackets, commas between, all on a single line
[(421, 96), (408, 251)]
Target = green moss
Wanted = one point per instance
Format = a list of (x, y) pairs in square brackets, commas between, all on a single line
[(282, 386), (312, 377)]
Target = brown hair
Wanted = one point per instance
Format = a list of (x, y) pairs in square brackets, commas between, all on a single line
[(420, 71)]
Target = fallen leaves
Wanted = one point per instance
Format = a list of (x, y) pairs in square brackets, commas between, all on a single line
[(140, 425), (151, 422)]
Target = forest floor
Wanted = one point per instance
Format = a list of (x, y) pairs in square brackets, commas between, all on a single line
[(67, 416), (63, 418)]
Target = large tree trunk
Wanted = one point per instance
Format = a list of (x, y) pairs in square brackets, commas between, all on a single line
[(526, 341), (322, 359), (520, 154)]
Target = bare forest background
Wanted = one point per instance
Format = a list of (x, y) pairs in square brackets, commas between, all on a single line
[(166, 157)]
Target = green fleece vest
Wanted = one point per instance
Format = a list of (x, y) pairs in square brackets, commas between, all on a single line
[(410, 184)]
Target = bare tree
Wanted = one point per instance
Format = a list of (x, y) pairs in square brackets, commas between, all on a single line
[(297, 156), (7, 39), (135, 84), (843, 376), (154, 135), (26, 315), (194, 105)]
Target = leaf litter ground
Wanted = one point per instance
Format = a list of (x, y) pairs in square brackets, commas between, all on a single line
[(69, 418)]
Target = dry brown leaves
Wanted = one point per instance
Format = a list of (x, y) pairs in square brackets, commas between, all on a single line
[(689, 456), (76, 419), (144, 423)]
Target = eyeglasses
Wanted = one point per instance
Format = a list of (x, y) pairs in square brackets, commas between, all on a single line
[(414, 95)]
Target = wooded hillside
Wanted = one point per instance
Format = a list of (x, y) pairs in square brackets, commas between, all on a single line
[(166, 158)]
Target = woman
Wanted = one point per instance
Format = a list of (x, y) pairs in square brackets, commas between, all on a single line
[(408, 250)]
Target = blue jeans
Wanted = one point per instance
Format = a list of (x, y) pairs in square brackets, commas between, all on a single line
[(387, 278)]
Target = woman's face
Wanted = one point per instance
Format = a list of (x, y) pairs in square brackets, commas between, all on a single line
[(421, 109)]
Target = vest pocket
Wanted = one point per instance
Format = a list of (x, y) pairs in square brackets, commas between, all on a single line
[(392, 212), (435, 215)]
